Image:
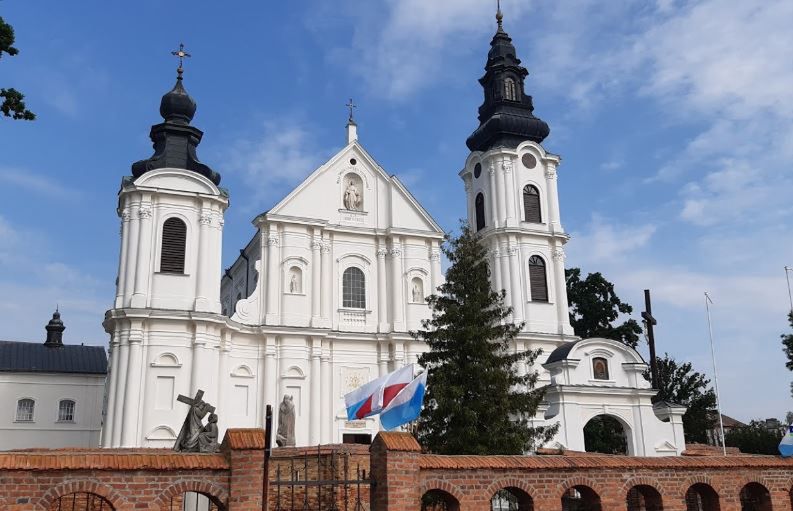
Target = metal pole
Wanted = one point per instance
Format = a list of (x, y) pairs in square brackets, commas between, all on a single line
[(715, 374), (787, 277), (268, 425)]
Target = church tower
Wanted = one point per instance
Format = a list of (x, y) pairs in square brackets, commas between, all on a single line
[(512, 200), (167, 290)]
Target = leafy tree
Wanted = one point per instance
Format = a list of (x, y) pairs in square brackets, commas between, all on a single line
[(594, 307), (13, 104), (787, 347), (679, 383), (476, 403), (605, 434), (755, 438)]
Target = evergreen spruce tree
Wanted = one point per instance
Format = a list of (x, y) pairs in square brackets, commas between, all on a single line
[(787, 347), (476, 403)]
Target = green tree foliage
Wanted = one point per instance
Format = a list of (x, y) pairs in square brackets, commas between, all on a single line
[(473, 404), (605, 434), (680, 384), (755, 438), (13, 104), (787, 347), (594, 307)]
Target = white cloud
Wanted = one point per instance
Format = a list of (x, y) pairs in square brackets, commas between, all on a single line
[(606, 241), (37, 183)]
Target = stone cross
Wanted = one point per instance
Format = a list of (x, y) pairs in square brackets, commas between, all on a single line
[(650, 321)]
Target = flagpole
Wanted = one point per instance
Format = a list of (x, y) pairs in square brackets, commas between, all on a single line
[(787, 277), (708, 301)]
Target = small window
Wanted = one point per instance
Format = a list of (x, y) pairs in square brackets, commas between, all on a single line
[(537, 279), (510, 92), (353, 288), (25, 410), (174, 239), (66, 410), (600, 368), (480, 211), (531, 204)]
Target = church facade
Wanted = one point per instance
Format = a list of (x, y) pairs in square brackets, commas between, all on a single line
[(323, 298)]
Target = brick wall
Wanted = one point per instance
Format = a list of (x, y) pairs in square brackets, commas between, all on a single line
[(403, 474)]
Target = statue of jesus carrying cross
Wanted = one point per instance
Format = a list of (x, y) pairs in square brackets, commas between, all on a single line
[(194, 436)]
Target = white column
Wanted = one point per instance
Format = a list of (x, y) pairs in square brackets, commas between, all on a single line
[(552, 195), (117, 401), (495, 269), (107, 427), (133, 386), (316, 284), (122, 259), (515, 283), (316, 395), (493, 206), (509, 192), (469, 201), (505, 278), (273, 276), (382, 359), (327, 395), (327, 285), (144, 249), (502, 212), (435, 264), (203, 269), (397, 300), (270, 375), (382, 291), (133, 233), (222, 380), (562, 317)]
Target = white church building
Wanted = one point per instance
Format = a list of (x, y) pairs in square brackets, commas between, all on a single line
[(323, 298)]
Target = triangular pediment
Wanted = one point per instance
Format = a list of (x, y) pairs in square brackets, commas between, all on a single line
[(352, 189)]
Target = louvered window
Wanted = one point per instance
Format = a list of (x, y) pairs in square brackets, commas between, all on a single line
[(353, 288), (25, 410), (531, 204), (66, 410), (509, 90), (480, 211), (174, 238), (537, 279)]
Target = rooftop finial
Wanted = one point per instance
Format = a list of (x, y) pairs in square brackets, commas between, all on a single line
[(499, 15), (352, 128), (182, 55), (351, 105)]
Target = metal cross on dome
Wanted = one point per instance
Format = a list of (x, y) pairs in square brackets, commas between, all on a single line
[(182, 55)]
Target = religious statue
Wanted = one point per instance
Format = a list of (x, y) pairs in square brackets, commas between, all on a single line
[(293, 284), (352, 197), (285, 436), (190, 437), (417, 298)]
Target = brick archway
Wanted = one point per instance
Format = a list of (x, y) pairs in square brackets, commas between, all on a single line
[(440, 484), (699, 479), (578, 481), (83, 486), (215, 493), (511, 482), (645, 481)]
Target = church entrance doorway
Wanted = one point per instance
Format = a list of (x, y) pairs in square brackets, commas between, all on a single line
[(606, 434)]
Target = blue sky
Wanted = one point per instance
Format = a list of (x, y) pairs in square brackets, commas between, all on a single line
[(674, 120)]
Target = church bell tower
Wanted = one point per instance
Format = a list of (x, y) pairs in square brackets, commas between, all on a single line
[(512, 200)]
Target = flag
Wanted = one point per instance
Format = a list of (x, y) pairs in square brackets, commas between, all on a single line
[(369, 399), (786, 445), (406, 406)]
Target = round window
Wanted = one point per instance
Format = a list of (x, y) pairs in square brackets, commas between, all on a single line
[(478, 170), (353, 161), (529, 161)]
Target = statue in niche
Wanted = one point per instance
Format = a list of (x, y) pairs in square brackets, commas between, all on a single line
[(285, 436), (352, 197), (194, 436), (417, 298), (293, 287)]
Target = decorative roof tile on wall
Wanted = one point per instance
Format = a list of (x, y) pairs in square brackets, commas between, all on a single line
[(110, 459)]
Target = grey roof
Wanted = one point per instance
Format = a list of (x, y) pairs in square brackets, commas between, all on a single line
[(561, 352), (32, 357)]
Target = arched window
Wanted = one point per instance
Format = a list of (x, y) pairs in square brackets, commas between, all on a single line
[(537, 280), (174, 239), (480, 211), (531, 204), (25, 410), (510, 92), (353, 288), (600, 368), (66, 410)]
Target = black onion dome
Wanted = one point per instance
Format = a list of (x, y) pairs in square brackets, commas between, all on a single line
[(175, 140), (506, 116), (55, 329)]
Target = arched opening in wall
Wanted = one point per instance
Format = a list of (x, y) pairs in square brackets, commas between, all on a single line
[(479, 207), (295, 284), (352, 196), (702, 497), (755, 497), (195, 501), (174, 241), (538, 283), (605, 434), (531, 204), (439, 500), (81, 501), (511, 499), (644, 498), (510, 92), (581, 498), (353, 288), (416, 290)]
